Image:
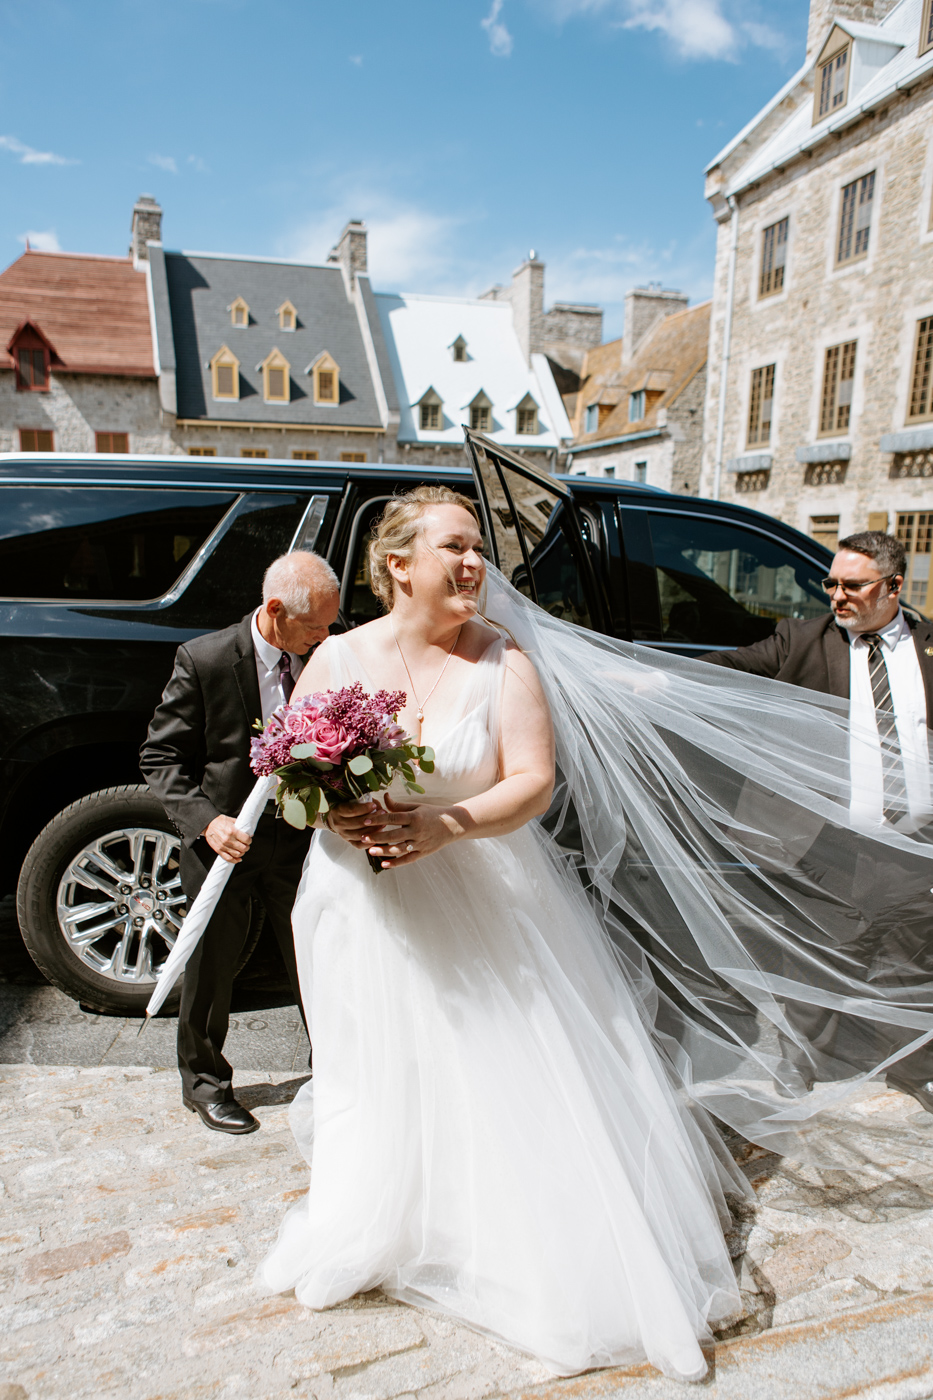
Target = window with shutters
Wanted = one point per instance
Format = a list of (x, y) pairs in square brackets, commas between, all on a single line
[(276, 373), (353, 456), (760, 404), (915, 531), (921, 379), (111, 442), (838, 379), (304, 456), (31, 369), (225, 374), (36, 440), (773, 258), (202, 451), (926, 27), (254, 452), (855, 219), (832, 79), (239, 313), (825, 530)]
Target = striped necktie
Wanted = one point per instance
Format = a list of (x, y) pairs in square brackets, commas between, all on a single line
[(895, 788)]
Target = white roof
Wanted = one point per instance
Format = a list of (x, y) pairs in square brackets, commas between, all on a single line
[(884, 60), (419, 331)]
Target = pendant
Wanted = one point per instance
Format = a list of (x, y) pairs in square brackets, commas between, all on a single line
[(421, 716)]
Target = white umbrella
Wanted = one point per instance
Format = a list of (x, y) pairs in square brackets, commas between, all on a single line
[(204, 905)]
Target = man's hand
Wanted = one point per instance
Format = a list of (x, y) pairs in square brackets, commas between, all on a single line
[(224, 838)]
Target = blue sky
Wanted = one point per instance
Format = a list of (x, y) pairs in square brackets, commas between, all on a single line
[(464, 133)]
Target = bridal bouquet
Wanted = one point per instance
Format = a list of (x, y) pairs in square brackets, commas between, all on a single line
[(339, 746)]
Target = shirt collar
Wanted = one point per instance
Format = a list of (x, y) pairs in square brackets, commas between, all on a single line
[(892, 633), (269, 655)]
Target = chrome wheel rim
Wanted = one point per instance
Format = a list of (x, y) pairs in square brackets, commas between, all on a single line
[(120, 904)]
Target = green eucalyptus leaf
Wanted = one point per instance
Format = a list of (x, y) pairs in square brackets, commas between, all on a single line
[(294, 813), (323, 804), (361, 764), (427, 753), (426, 766), (304, 751), (414, 787)]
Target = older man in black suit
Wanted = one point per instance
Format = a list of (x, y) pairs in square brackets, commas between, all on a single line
[(196, 761), (869, 651)]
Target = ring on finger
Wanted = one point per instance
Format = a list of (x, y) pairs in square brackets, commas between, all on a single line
[(409, 848)]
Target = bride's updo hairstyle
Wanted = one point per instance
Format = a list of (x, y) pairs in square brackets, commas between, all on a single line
[(397, 530)]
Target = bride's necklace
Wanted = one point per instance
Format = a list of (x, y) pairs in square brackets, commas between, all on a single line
[(421, 704)]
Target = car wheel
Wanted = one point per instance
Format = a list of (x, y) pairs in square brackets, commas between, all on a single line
[(100, 902)]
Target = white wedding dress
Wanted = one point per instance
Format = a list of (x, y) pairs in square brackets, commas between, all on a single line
[(492, 1130)]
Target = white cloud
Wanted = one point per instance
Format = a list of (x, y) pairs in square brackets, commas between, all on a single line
[(29, 156), (198, 164), (696, 29), (500, 40), (357, 58), (165, 163), (409, 248), (42, 241), (604, 275)]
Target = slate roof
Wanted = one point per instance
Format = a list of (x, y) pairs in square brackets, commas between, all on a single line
[(885, 60), (199, 289), (665, 360), (93, 310), (419, 332)]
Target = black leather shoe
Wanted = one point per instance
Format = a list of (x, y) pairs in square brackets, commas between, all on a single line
[(923, 1093), (228, 1117)]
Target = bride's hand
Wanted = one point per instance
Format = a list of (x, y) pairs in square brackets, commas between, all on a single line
[(423, 830), (353, 820)]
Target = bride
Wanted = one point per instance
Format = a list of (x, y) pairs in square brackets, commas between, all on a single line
[(518, 1043), (495, 1134)]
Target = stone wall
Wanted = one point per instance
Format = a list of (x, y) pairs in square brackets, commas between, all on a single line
[(685, 426), (876, 302), (79, 405)]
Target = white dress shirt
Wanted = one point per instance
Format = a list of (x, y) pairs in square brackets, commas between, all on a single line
[(910, 716), (267, 669)]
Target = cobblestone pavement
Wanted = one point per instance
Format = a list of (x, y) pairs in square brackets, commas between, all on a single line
[(129, 1236)]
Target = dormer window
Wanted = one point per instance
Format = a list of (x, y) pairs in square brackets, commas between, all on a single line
[(430, 410), (275, 377), (636, 406), (926, 27), (33, 354), (325, 376), (225, 374), (459, 350), (591, 418), (526, 417), (239, 313), (832, 75), (288, 316), (481, 413)]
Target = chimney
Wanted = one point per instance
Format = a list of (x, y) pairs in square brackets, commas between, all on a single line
[(527, 297), (823, 12), (644, 307), (350, 252), (146, 224)]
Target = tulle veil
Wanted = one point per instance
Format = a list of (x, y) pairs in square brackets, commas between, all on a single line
[(772, 944)]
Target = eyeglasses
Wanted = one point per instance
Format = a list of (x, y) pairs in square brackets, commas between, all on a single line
[(851, 585)]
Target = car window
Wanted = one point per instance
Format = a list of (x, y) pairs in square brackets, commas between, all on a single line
[(543, 522), (721, 585), (101, 542)]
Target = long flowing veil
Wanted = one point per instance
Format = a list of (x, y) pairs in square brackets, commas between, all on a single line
[(772, 943)]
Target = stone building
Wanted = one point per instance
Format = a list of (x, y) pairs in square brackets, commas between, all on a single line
[(819, 406), (76, 364), (214, 355), (638, 414)]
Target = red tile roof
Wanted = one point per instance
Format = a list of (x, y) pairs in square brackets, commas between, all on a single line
[(94, 311)]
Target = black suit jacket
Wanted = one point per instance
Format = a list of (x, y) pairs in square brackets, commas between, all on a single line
[(196, 754), (815, 654)]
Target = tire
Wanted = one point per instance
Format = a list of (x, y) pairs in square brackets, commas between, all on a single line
[(105, 952)]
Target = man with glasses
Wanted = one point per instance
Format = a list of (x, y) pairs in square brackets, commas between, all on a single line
[(869, 651)]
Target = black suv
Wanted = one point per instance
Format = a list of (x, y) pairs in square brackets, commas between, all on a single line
[(108, 563)]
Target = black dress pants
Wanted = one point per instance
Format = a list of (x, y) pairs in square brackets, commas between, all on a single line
[(270, 869)]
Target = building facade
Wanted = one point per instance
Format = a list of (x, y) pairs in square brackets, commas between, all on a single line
[(214, 355), (638, 414), (819, 406)]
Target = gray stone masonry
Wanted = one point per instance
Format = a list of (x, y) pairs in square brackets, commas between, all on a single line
[(146, 224), (79, 405), (129, 1238), (823, 12), (350, 252), (644, 307)]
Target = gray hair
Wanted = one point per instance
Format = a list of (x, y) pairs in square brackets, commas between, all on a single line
[(885, 552), (296, 579)]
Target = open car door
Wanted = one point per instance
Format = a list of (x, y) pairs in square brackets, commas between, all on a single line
[(534, 533)]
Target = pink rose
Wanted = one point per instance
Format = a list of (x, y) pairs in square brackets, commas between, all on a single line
[(332, 739)]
